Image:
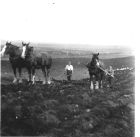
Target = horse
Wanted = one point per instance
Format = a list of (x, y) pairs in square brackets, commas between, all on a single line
[(16, 61), (95, 72), (37, 61)]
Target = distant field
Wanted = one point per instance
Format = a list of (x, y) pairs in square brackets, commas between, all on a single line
[(57, 71)]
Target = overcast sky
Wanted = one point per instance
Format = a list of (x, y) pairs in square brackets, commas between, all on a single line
[(92, 22)]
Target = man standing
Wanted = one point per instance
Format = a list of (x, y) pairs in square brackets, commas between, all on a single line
[(69, 71)]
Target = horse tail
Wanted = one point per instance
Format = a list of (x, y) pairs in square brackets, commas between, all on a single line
[(46, 60), (49, 61)]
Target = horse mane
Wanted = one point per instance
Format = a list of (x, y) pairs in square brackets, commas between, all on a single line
[(35, 52), (15, 46), (15, 50), (92, 63)]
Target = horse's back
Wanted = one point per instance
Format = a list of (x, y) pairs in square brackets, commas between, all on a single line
[(42, 59), (46, 59)]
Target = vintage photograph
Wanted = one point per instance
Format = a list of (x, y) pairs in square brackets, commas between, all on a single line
[(67, 69)]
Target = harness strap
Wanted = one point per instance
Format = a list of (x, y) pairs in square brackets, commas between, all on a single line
[(14, 58), (105, 71)]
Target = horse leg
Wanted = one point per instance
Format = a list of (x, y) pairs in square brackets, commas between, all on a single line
[(29, 73), (33, 73), (20, 79), (44, 73), (15, 76), (101, 81), (91, 83), (97, 83), (101, 84), (48, 76)]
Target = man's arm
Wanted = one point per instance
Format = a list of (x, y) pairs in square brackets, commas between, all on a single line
[(109, 73), (112, 74), (71, 68), (66, 67)]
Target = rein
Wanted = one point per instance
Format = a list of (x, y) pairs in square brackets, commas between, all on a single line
[(99, 68), (105, 71), (15, 57)]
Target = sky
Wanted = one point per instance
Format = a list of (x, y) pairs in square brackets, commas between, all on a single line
[(86, 22)]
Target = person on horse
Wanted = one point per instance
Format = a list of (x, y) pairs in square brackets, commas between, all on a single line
[(69, 71), (110, 76)]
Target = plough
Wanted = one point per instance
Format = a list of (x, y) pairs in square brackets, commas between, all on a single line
[(107, 73)]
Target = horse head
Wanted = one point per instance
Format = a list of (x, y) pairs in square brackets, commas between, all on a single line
[(8, 43), (6, 48), (25, 44), (95, 59), (25, 47)]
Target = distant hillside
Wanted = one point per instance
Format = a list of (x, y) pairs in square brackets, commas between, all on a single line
[(70, 51)]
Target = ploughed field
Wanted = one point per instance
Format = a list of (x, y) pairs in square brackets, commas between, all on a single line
[(57, 71), (64, 109)]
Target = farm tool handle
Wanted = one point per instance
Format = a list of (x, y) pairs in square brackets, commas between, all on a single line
[(67, 75), (84, 64), (63, 74), (105, 71), (101, 69)]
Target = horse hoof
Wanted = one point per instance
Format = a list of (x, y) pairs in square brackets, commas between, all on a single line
[(108, 86), (44, 82), (96, 87), (14, 81), (20, 81), (91, 88), (49, 82), (33, 82)]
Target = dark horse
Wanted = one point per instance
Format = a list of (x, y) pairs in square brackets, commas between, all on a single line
[(95, 72), (17, 62), (37, 61)]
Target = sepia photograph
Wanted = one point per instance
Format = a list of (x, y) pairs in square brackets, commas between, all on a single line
[(68, 68)]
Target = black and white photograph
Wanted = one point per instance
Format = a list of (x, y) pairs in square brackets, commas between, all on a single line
[(68, 68)]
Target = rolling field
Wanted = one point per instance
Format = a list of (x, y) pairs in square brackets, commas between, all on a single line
[(64, 109), (57, 71)]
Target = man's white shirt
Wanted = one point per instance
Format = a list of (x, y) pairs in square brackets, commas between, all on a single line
[(69, 67)]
